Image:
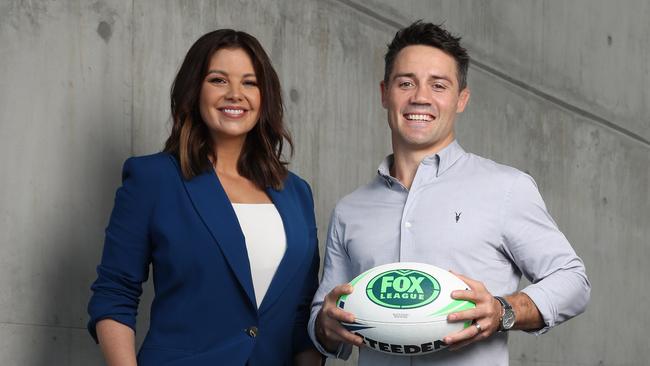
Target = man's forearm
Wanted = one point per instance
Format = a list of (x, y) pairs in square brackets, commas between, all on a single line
[(527, 315)]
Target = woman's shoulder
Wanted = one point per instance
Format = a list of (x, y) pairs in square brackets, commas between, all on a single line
[(153, 163), (159, 160), (295, 182), (301, 191), (150, 167)]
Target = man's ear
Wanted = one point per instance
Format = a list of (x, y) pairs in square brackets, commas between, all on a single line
[(463, 99), (383, 91)]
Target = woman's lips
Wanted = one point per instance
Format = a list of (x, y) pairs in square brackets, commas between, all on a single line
[(233, 112)]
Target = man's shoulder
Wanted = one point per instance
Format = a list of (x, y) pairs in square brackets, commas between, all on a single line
[(482, 168), (361, 197)]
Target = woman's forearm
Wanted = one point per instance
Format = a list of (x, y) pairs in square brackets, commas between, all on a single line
[(117, 342), (308, 357)]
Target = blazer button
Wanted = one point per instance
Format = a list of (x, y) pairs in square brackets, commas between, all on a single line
[(252, 331)]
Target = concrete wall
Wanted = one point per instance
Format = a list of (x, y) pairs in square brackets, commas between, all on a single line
[(560, 89)]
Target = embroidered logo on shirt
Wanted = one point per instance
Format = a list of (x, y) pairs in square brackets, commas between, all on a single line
[(458, 216)]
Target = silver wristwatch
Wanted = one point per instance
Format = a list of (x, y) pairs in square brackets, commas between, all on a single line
[(508, 317)]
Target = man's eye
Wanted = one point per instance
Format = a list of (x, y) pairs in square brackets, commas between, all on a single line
[(405, 84), (439, 86)]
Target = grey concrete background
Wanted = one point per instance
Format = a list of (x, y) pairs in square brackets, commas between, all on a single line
[(560, 89)]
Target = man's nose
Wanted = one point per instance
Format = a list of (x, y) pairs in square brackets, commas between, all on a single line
[(422, 95)]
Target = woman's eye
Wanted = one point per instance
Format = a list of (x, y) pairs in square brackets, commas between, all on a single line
[(217, 80), (250, 83)]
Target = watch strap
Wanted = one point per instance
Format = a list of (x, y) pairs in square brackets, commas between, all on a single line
[(504, 303), (506, 308)]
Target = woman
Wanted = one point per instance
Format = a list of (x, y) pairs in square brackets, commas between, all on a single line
[(230, 232)]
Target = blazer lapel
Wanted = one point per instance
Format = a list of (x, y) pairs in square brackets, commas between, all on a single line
[(214, 208), (297, 236)]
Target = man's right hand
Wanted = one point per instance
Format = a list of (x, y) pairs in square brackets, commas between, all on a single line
[(329, 331)]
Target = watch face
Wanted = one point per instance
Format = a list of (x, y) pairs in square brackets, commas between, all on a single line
[(508, 319)]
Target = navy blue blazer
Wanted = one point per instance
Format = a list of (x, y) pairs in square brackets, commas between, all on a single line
[(204, 310)]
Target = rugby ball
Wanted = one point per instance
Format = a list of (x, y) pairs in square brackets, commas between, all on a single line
[(401, 308)]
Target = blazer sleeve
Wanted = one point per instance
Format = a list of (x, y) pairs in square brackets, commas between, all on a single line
[(301, 339), (126, 255)]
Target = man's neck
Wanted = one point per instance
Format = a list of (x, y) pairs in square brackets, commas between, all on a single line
[(406, 162)]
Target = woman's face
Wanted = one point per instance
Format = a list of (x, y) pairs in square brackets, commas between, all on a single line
[(230, 98)]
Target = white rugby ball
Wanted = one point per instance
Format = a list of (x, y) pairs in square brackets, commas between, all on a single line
[(401, 308)]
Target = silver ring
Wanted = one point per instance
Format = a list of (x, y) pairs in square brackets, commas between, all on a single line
[(478, 327)]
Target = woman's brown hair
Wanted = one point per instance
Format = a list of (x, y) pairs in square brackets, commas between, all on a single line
[(190, 141)]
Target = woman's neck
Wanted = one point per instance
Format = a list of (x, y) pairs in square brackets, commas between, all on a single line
[(227, 153)]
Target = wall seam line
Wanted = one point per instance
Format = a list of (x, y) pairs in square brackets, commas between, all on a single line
[(42, 325), (559, 102), (132, 139), (595, 119)]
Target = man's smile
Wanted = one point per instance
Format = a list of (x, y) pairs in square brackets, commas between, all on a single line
[(419, 117)]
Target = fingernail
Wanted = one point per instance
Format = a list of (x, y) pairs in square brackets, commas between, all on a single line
[(452, 317)]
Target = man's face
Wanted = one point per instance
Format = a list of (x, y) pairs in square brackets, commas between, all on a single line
[(422, 99)]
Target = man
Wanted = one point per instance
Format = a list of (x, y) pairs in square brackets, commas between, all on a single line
[(433, 202)]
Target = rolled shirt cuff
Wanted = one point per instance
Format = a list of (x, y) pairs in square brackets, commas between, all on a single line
[(343, 351), (542, 303)]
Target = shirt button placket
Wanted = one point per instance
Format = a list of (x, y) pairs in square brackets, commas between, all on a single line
[(407, 243)]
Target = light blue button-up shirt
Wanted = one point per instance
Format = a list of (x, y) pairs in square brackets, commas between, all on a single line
[(465, 213)]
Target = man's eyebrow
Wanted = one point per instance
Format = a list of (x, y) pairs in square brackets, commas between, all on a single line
[(440, 77), (431, 77), (404, 75)]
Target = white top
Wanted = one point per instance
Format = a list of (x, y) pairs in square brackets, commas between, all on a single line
[(265, 242)]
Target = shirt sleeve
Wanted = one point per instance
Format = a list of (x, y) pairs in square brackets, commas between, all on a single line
[(559, 285), (336, 271), (126, 256)]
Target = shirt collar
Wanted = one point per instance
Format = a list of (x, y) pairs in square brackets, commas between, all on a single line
[(384, 170), (447, 157), (442, 161)]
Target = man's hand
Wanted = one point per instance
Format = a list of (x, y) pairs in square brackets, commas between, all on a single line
[(486, 315), (329, 331)]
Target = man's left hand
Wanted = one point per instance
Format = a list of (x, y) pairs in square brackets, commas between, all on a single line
[(485, 317)]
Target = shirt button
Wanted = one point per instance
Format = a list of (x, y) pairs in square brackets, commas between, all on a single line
[(407, 224), (252, 331)]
